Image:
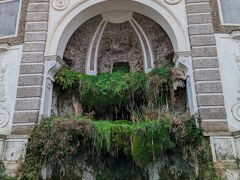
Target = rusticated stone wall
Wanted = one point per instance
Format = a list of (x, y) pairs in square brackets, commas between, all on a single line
[(76, 50), (120, 43), (160, 42)]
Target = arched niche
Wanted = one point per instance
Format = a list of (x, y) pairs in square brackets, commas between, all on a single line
[(60, 33)]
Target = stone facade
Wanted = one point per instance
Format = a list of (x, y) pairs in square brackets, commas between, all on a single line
[(79, 32)]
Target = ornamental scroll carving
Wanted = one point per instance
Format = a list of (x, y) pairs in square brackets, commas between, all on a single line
[(236, 107), (60, 5), (4, 114)]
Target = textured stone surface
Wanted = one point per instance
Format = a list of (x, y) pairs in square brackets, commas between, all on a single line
[(198, 8), (205, 63), (35, 36), (207, 75), (32, 58), (199, 18), (204, 51), (28, 104), (22, 129), (25, 117), (39, 16), (29, 92), (30, 80), (32, 69), (36, 26), (215, 126), (210, 87), (33, 47), (212, 113), (203, 40), (38, 7), (210, 100), (200, 29)]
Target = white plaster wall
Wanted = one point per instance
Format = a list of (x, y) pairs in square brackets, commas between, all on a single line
[(229, 62), (10, 61)]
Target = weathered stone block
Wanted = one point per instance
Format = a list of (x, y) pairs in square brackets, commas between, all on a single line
[(200, 29), (31, 69), (34, 47), (36, 26), (37, 16), (30, 80), (212, 113), (35, 36), (204, 51), (210, 87), (39, 7), (25, 117), (205, 63), (32, 58), (22, 129), (203, 40), (29, 92), (199, 18), (210, 100), (215, 126), (27, 104), (207, 75), (198, 8)]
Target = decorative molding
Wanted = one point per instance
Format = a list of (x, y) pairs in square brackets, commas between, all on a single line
[(60, 5), (117, 16), (172, 2), (235, 35), (236, 107)]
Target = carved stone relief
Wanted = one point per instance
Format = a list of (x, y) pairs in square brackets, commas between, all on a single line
[(60, 5), (4, 112)]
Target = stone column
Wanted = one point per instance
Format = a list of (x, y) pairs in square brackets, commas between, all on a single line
[(205, 66)]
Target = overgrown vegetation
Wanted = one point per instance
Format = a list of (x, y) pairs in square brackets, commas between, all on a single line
[(110, 148), (151, 140), (117, 93)]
